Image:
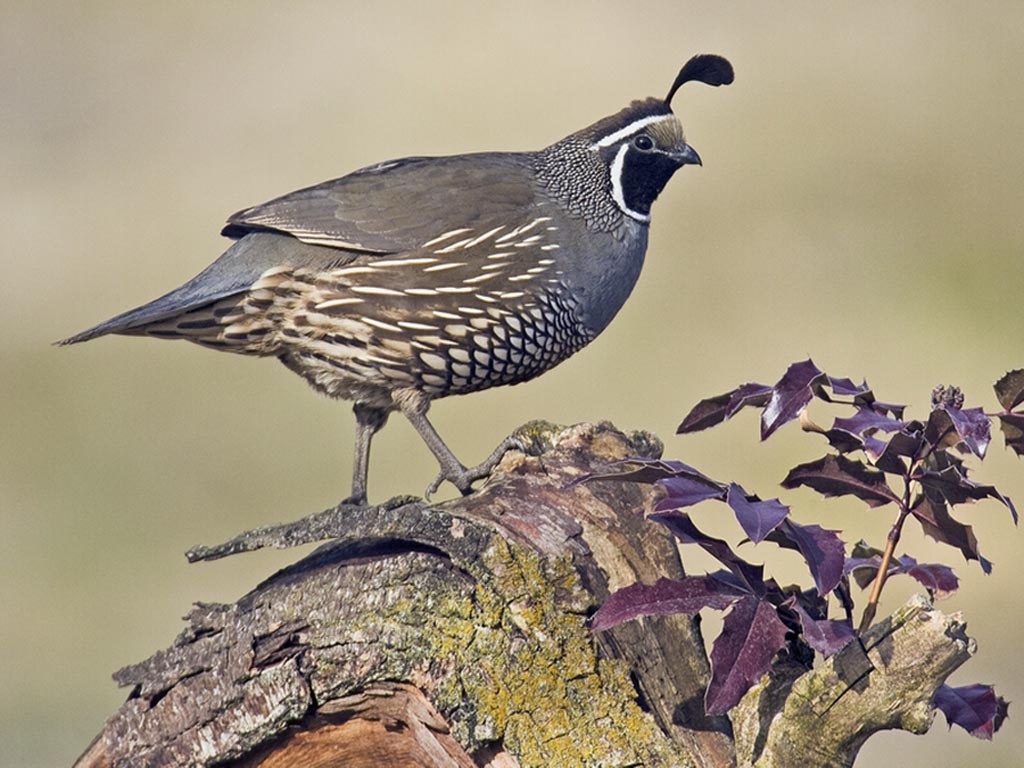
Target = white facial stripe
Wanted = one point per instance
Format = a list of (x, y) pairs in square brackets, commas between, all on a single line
[(616, 177), (629, 130)]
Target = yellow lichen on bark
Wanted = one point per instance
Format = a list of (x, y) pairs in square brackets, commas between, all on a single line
[(533, 673)]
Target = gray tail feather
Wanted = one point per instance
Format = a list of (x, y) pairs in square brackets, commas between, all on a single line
[(237, 268), (179, 301), (234, 272)]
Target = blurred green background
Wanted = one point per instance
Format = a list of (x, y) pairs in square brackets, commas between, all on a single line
[(861, 203)]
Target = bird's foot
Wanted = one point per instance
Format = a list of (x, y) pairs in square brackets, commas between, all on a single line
[(464, 477)]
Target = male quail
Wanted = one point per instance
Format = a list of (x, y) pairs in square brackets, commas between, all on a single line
[(433, 276)]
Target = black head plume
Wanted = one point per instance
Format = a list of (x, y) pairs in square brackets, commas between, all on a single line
[(705, 68)]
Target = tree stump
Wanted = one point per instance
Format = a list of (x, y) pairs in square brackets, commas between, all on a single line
[(456, 635)]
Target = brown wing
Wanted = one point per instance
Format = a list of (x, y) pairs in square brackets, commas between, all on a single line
[(398, 206), (389, 209)]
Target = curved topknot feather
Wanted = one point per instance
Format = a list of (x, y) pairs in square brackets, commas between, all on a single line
[(705, 68)]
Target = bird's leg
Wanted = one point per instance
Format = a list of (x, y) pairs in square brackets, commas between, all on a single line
[(414, 407), (368, 421)]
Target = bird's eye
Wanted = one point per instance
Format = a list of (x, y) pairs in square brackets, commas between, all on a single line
[(643, 142)]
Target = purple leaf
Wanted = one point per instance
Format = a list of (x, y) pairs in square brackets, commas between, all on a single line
[(752, 634), (856, 432), (948, 425), (1010, 389), (975, 708), (826, 636), (974, 427), (822, 549), (937, 579), (951, 484), (757, 518), (866, 420), (707, 413), (864, 570), (890, 457), (846, 388), (891, 408), (872, 446), (847, 442), (730, 580), (840, 476), (685, 491), (936, 521), (1012, 425), (715, 410), (666, 596), (647, 471), (749, 394), (682, 527), (940, 431), (790, 396)]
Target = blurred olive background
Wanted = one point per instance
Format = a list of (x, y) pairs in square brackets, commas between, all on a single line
[(861, 203)]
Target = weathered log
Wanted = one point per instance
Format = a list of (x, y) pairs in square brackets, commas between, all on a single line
[(456, 635)]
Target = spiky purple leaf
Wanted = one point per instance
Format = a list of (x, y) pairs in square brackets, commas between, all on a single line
[(975, 708), (683, 528), (1012, 425), (666, 596), (938, 579), (951, 484), (746, 395), (757, 518), (866, 420), (857, 432), (790, 396), (974, 427), (752, 634), (949, 425), (840, 476), (715, 410), (846, 388), (687, 490), (1010, 389), (934, 517), (847, 442), (822, 549), (647, 471), (893, 409), (826, 636), (889, 456)]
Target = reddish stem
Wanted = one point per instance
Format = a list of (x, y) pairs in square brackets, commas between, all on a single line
[(883, 568)]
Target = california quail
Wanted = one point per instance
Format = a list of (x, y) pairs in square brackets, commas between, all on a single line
[(432, 276)]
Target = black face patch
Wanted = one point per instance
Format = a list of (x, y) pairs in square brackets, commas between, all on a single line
[(643, 175)]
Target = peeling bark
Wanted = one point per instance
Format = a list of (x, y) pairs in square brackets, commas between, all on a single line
[(456, 635)]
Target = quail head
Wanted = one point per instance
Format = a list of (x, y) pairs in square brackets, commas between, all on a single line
[(432, 276)]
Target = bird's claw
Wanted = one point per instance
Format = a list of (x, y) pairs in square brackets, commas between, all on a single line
[(464, 477)]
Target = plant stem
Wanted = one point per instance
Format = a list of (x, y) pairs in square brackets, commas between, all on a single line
[(883, 567)]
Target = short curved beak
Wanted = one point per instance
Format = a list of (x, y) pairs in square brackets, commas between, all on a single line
[(687, 156)]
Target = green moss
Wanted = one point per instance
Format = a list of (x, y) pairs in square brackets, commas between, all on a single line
[(509, 657), (531, 673)]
